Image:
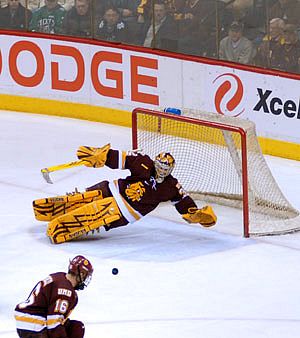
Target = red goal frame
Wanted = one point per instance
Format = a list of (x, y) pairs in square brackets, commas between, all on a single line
[(239, 130)]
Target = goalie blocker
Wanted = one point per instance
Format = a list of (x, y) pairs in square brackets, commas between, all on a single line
[(126, 200)]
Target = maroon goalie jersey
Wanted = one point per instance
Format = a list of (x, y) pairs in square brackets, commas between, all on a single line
[(48, 306), (139, 193)]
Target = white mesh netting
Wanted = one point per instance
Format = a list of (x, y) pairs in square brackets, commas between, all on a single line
[(209, 166)]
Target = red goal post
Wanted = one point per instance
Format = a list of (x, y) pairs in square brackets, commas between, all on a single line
[(218, 159)]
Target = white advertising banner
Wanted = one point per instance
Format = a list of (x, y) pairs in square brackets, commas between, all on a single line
[(127, 78)]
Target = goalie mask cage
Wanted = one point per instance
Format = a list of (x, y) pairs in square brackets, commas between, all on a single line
[(219, 160)]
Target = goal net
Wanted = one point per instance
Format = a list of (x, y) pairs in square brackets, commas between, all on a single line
[(218, 159)]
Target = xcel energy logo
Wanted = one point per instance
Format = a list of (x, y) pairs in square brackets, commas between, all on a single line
[(275, 105), (229, 95)]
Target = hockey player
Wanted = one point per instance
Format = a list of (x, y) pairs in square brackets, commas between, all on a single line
[(114, 204), (48, 19), (45, 312)]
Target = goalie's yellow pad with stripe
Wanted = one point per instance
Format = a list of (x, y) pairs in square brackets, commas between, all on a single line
[(205, 216), (46, 209), (84, 219)]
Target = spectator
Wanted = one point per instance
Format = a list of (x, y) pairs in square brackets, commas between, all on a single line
[(67, 4), (34, 5), (287, 57), (166, 32), (200, 25), (98, 8), (255, 21), (173, 7), (271, 42), (14, 16), (235, 47), (288, 10), (77, 21), (189, 26), (127, 9), (128, 14), (48, 19), (112, 28)]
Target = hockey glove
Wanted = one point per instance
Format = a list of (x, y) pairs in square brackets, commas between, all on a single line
[(93, 157), (205, 216), (74, 328)]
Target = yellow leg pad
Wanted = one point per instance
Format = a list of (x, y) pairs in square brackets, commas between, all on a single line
[(80, 221), (46, 209)]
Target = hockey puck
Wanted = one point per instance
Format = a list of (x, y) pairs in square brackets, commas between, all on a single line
[(114, 271)]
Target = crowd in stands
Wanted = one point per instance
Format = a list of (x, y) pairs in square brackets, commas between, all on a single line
[(263, 33)]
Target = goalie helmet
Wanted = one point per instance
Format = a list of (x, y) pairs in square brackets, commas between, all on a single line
[(82, 269), (164, 164)]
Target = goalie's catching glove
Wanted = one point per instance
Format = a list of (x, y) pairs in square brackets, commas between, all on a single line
[(204, 216), (93, 157)]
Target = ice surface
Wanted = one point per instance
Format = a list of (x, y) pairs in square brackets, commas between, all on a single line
[(174, 280)]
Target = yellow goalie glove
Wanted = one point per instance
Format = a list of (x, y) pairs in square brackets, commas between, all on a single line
[(205, 216), (93, 157)]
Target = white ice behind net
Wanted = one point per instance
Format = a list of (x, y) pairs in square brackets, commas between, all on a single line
[(211, 170)]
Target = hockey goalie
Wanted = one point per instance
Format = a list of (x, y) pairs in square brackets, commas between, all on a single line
[(123, 201)]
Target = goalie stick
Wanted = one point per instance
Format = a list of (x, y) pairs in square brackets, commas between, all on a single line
[(46, 171)]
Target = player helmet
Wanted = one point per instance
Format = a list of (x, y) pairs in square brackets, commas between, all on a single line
[(164, 164), (82, 269)]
